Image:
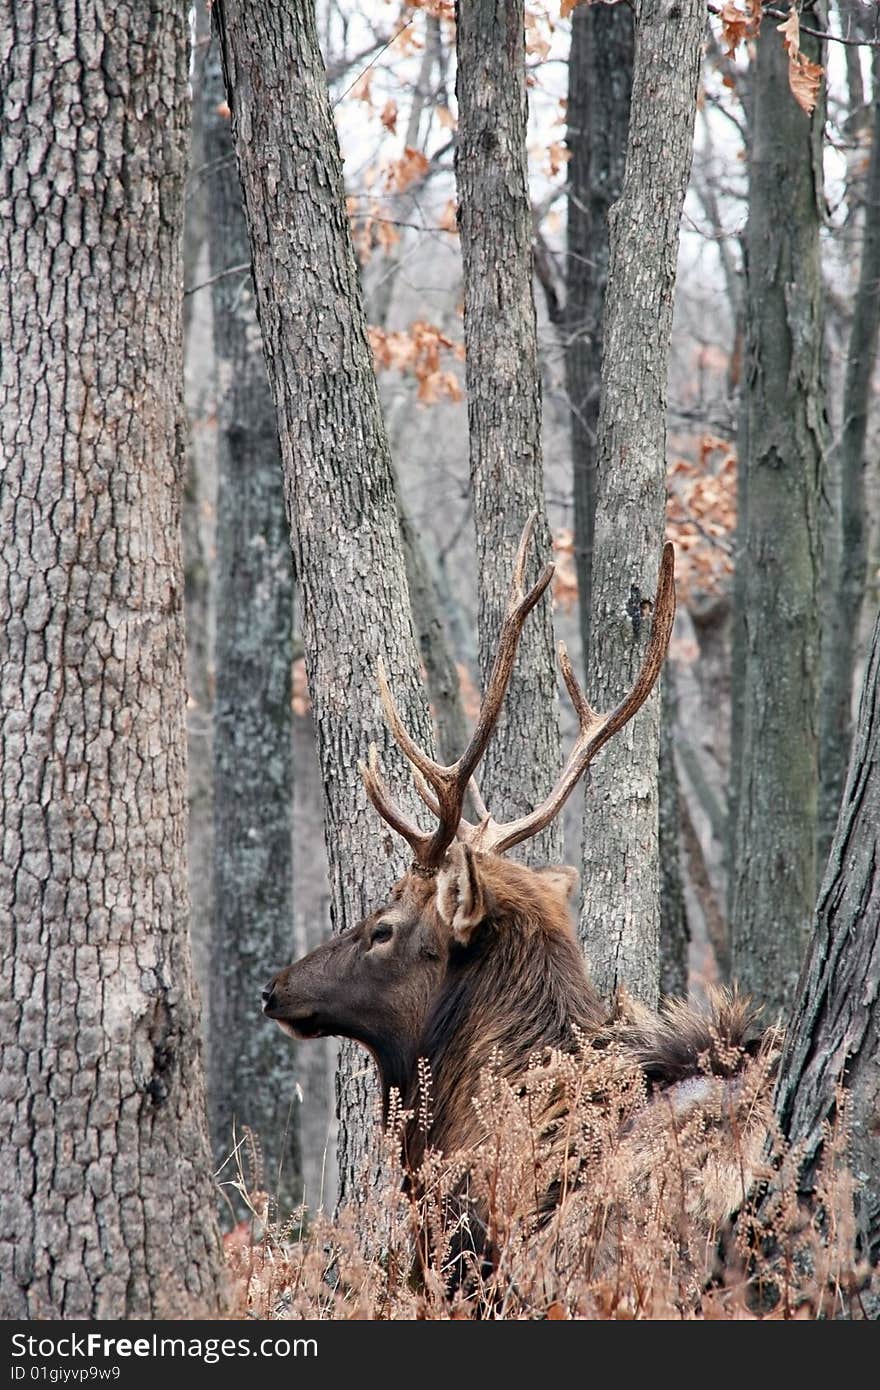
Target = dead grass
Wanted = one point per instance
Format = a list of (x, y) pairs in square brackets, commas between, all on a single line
[(585, 1200)]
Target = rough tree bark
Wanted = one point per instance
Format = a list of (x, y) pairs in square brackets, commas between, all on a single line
[(109, 1204), (441, 673), (833, 1038), (198, 516), (504, 396), (738, 633), (600, 67), (620, 915), (252, 1071), (850, 558), (774, 857), (674, 931), (337, 475), (600, 70)]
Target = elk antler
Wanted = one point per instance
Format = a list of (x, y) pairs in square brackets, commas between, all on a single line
[(450, 784), (443, 789)]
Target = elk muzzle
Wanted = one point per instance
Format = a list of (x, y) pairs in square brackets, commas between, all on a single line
[(290, 1002)]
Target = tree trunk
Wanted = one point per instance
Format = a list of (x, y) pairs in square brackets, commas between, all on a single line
[(109, 1209), (848, 582), (738, 633), (833, 1038), (441, 673), (252, 1071), (339, 487), (195, 224), (504, 397), (197, 525), (315, 1064), (774, 856), (620, 917), (600, 68), (674, 934)]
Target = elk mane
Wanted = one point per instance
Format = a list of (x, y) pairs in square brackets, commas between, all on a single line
[(519, 988)]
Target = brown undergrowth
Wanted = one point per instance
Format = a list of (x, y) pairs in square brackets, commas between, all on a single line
[(587, 1199)]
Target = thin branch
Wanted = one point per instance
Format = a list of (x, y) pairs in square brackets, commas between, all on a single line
[(413, 226), (805, 29), (463, 520), (210, 167), (221, 275), (544, 270), (690, 519), (701, 882), (734, 120), (337, 67), (373, 61), (418, 183)]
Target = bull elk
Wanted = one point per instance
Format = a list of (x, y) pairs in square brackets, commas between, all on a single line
[(473, 958)]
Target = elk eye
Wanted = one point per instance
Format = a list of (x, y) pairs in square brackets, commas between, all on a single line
[(383, 931)]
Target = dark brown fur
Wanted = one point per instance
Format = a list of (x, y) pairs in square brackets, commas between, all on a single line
[(518, 987), (482, 966), (680, 1041)]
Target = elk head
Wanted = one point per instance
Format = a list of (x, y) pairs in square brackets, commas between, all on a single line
[(401, 976)]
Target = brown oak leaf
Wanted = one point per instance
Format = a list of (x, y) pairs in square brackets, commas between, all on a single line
[(804, 77)]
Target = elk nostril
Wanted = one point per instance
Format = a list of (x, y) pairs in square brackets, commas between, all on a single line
[(268, 996)]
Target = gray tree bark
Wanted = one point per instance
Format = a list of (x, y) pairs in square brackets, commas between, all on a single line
[(599, 91), (600, 72), (195, 229), (108, 1199), (197, 524), (833, 1038), (441, 674), (338, 483), (774, 858), (674, 932), (738, 633), (252, 1072), (621, 911), (600, 68), (315, 1064), (504, 397), (850, 559)]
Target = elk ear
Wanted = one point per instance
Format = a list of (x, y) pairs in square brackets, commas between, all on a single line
[(462, 900), (563, 878)]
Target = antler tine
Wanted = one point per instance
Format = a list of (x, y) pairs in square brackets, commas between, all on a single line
[(477, 801), (522, 550), (519, 606), (388, 809), (661, 631), (425, 792), (595, 729), (443, 789), (583, 709), (466, 829), (411, 750)]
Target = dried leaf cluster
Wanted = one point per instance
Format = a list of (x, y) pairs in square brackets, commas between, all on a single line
[(420, 351), (741, 23)]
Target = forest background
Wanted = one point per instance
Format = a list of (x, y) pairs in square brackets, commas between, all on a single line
[(718, 330)]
